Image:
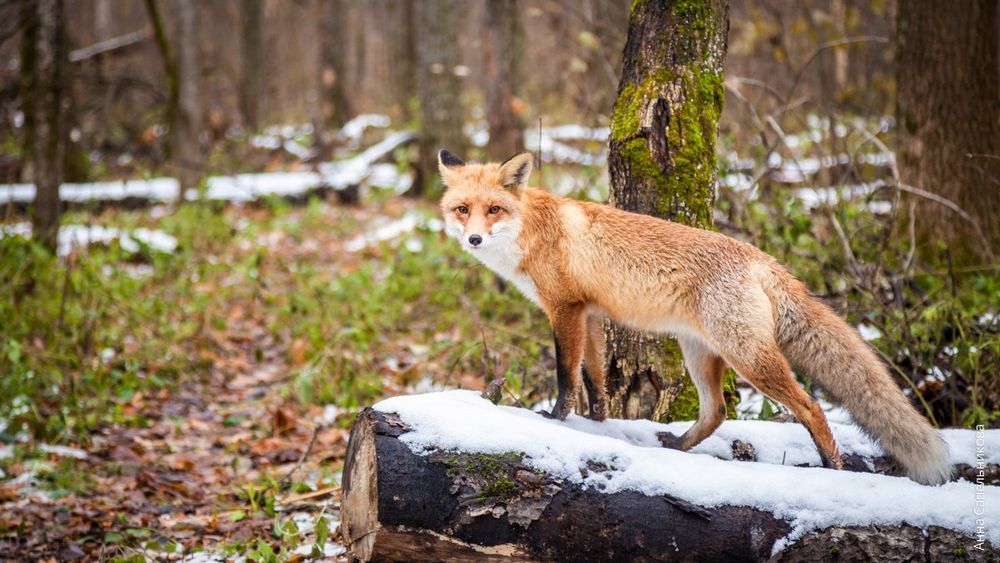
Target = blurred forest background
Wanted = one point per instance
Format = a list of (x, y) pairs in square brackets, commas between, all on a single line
[(220, 238)]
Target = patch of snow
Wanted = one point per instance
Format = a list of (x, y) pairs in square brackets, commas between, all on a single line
[(236, 188), (388, 176), (72, 236), (573, 133), (868, 332), (155, 189), (814, 197), (63, 451), (355, 128), (809, 498), (388, 231), (351, 172)]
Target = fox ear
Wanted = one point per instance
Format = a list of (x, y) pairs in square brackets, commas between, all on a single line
[(448, 160), (515, 171)]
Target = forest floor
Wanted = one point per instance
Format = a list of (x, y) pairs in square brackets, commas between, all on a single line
[(304, 314)]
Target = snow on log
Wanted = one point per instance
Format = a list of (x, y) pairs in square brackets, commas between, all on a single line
[(449, 475)]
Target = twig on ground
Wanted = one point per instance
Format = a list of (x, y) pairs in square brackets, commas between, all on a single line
[(287, 479)]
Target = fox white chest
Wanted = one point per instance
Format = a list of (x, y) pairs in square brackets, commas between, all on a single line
[(504, 258)]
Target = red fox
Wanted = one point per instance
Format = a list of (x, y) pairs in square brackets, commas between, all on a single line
[(726, 302)]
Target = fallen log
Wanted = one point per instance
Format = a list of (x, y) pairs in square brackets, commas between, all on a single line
[(447, 504)]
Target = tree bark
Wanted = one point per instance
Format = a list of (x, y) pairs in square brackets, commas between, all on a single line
[(187, 154), (28, 15), (662, 163), (438, 89), (447, 505), (948, 79), (402, 49), (48, 145), (335, 104), (502, 61), (251, 83)]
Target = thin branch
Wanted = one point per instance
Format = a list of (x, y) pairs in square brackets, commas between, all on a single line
[(954, 207), (829, 45)]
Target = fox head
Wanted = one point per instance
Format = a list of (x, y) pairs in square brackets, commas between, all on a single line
[(481, 204)]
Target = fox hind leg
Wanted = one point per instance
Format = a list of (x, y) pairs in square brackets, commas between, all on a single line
[(706, 369), (594, 373), (769, 372)]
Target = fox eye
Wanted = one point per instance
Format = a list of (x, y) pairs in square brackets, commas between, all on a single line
[(494, 210), (462, 209)]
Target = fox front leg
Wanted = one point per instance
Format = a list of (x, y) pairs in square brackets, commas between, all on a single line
[(569, 333)]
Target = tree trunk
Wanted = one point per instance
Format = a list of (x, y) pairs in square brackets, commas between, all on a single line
[(251, 85), (28, 15), (454, 505), (438, 89), (187, 160), (662, 163), (948, 83), (402, 48), (502, 61), (48, 145), (336, 107)]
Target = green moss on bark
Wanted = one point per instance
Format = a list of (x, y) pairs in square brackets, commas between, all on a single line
[(686, 405)]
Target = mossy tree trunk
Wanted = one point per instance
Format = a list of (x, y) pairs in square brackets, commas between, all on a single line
[(662, 163)]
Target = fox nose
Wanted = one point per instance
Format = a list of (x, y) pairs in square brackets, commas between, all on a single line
[(475, 240)]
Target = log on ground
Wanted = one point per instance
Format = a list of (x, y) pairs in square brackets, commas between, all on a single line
[(454, 505)]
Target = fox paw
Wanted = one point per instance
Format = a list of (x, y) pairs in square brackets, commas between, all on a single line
[(560, 411), (668, 440), (835, 462), (598, 412)]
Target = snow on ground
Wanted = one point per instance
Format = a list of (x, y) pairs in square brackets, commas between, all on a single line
[(390, 229), (237, 188), (353, 130), (809, 498), (156, 189), (72, 236)]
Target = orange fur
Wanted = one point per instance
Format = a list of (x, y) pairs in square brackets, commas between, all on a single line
[(725, 300)]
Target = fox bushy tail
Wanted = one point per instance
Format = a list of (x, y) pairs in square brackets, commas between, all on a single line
[(817, 341)]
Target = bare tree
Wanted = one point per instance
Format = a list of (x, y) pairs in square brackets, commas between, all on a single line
[(334, 102), (502, 61), (251, 83), (438, 88), (949, 127), (48, 89), (187, 150), (401, 36), (662, 163)]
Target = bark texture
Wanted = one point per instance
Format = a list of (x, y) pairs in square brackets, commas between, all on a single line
[(48, 145), (401, 39), (251, 61), (662, 163), (447, 506), (186, 152), (948, 80), (438, 88), (335, 104), (502, 60), (334, 101)]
